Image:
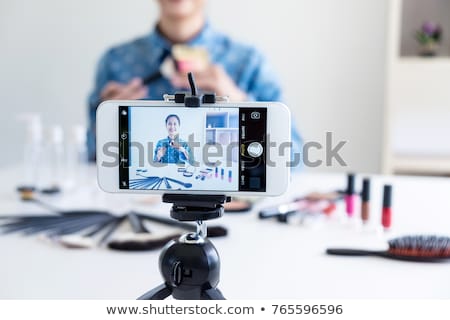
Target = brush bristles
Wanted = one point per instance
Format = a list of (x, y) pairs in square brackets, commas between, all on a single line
[(421, 246)]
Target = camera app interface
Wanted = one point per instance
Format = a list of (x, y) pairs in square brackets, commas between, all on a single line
[(192, 149)]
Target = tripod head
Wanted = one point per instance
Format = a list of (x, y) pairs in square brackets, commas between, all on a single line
[(191, 207)]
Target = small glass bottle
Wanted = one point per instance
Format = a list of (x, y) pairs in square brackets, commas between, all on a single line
[(32, 151), (77, 157), (53, 161)]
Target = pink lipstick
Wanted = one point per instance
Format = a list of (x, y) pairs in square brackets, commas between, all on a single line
[(350, 195)]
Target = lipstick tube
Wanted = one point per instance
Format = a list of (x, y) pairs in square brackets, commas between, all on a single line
[(386, 214), (365, 199), (350, 195)]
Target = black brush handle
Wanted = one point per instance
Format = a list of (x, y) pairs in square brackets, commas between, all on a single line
[(354, 252), (100, 226), (111, 229), (136, 223), (168, 186)]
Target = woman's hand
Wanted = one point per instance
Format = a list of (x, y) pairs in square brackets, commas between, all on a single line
[(129, 91), (160, 153), (180, 149)]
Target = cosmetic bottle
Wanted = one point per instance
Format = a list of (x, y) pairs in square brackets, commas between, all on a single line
[(77, 157), (53, 161), (32, 150)]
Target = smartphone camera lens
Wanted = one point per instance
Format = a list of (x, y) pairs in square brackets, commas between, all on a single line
[(255, 115)]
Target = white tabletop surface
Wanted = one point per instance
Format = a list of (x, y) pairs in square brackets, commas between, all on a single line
[(260, 259)]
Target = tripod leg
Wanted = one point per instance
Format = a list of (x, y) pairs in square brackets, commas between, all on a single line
[(212, 294), (159, 293)]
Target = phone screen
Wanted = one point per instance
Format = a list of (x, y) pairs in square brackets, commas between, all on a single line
[(209, 149)]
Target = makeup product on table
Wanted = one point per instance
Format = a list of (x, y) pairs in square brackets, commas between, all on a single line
[(222, 173), (141, 239), (311, 209), (386, 214), (237, 205), (408, 248), (230, 175), (350, 195), (310, 204), (283, 209), (184, 184), (61, 224), (77, 241), (365, 200), (28, 194)]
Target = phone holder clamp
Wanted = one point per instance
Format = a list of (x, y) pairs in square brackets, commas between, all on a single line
[(194, 100)]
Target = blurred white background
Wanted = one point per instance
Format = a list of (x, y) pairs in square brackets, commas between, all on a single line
[(330, 57)]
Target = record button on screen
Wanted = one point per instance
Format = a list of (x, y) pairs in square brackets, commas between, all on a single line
[(255, 149)]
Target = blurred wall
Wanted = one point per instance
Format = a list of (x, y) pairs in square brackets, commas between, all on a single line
[(330, 56)]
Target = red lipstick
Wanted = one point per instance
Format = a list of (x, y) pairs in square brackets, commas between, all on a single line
[(386, 214)]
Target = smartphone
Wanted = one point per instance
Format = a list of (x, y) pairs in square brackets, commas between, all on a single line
[(222, 148)]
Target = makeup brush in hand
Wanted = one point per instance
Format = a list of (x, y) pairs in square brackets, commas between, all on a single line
[(408, 248)]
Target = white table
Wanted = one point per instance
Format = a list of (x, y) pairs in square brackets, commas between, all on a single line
[(260, 259)]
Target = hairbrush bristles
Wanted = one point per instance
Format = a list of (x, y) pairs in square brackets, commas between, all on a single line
[(421, 246), (408, 248)]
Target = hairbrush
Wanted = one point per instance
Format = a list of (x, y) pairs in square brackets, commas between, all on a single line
[(408, 248)]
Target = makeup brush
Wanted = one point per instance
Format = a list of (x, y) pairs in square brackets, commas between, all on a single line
[(34, 224), (77, 241), (84, 223), (186, 185), (408, 248), (58, 225), (238, 206), (40, 223), (86, 241), (141, 239)]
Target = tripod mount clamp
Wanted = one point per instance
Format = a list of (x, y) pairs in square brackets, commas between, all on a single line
[(192, 207), (194, 100)]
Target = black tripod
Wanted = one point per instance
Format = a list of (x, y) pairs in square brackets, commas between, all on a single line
[(190, 265)]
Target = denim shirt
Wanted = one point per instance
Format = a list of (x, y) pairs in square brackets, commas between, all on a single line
[(173, 155), (143, 56)]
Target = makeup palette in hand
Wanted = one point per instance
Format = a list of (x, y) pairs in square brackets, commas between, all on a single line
[(190, 59)]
